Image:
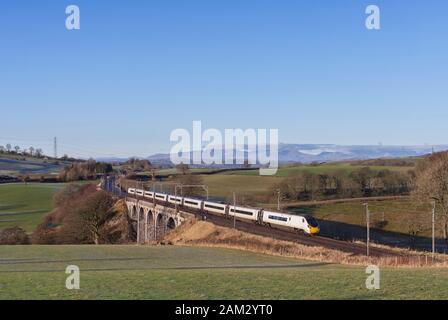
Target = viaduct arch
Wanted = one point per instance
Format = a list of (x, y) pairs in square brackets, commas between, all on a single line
[(152, 221)]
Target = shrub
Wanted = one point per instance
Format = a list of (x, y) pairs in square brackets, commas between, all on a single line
[(14, 236)]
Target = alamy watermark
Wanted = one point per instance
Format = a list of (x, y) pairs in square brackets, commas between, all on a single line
[(233, 147), (373, 279), (73, 280), (373, 20), (73, 21)]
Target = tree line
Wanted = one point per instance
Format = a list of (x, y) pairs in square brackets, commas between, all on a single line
[(362, 182), (87, 170), (31, 151)]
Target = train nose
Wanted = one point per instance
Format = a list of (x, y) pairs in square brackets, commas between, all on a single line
[(314, 230)]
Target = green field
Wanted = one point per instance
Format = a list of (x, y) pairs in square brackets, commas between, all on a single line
[(25, 205), (222, 186), (137, 272)]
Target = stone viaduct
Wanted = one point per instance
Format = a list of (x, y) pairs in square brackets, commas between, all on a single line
[(153, 221)]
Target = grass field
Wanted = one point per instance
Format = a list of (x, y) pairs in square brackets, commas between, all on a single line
[(132, 272), (25, 205), (222, 185)]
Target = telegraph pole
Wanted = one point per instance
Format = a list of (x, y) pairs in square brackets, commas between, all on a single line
[(234, 210), (368, 227), (433, 229), (175, 197), (55, 147), (278, 199)]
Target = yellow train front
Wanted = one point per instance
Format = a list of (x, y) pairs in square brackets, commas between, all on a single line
[(313, 227), (305, 224)]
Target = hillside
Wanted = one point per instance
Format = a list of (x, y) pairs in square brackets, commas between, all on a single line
[(20, 165)]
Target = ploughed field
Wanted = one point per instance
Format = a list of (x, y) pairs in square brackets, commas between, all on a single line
[(177, 272)]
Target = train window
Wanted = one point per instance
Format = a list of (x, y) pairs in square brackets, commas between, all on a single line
[(278, 218), (311, 221), (213, 207), (247, 213), (191, 202)]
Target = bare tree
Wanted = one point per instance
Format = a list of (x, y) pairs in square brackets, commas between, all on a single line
[(31, 150), (8, 147), (148, 166), (17, 149), (93, 214), (24, 178), (193, 184), (431, 184), (183, 168)]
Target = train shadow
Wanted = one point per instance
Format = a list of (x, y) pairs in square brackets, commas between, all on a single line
[(350, 232)]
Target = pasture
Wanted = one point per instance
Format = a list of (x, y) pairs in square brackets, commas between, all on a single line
[(222, 186), (171, 272), (25, 205)]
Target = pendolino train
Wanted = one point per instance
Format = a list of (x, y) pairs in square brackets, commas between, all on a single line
[(303, 224)]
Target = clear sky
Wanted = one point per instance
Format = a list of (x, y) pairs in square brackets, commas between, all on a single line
[(139, 69)]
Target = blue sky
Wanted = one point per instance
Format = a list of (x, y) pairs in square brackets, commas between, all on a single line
[(139, 69)]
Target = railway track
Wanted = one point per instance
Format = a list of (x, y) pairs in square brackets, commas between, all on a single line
[(285, 235), (279, 234)]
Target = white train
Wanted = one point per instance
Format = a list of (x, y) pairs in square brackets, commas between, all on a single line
[(305, 224)]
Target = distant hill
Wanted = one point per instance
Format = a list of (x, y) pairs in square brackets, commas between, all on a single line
[(308, 153)]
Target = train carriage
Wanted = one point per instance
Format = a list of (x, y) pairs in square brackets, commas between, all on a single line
[(161, 196), (215, 207), (244, 213), (174, 200), (192, 203), (149, 194)]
